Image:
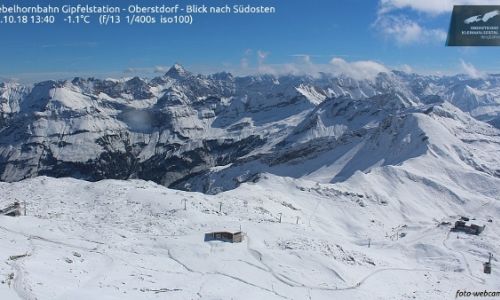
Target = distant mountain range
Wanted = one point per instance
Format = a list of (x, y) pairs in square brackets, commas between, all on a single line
[(212, 132)]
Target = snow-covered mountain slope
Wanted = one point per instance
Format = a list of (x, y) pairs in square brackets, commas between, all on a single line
[(134, 240), (173, 127), (342, 138), (365, 175), (161, 129)]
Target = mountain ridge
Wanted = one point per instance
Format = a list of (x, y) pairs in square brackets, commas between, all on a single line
[(174, 127)]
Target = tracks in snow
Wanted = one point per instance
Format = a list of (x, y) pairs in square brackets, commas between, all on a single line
[(464, 259), (291, 283)]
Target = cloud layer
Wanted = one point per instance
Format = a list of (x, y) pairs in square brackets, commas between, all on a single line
[(405, 31)]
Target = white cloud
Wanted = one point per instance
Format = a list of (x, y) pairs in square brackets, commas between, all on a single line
[(405, 31), (160, 69), (250, 57), (430, 6), (406, 68), (261, 56), (366, 69), (303, 64), (470, 70)]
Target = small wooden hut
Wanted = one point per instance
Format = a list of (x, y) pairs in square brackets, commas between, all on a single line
[(224, 236)]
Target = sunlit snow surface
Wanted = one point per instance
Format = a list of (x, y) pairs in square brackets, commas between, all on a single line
[(367, 178), (134, 240)]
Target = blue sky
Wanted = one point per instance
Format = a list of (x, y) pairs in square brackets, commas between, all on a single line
[(303, 36)]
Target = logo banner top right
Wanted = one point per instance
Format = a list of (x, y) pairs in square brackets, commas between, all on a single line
[(474, 25)]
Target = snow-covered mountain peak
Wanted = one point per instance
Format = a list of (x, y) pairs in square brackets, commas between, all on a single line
[(177, 71)]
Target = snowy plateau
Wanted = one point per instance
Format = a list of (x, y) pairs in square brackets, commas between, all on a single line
[(343, 188)]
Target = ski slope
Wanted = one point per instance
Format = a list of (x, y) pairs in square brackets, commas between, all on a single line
[(134, 240)]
